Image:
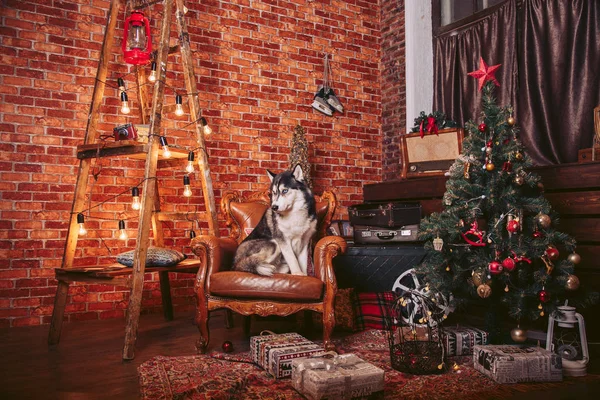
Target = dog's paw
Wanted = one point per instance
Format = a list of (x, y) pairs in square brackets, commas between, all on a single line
[(265, 269)]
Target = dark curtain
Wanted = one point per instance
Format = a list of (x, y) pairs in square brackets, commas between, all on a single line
[(559, 78), (494, 38), (550, 56)]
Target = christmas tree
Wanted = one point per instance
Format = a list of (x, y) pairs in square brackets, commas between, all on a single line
[(497, 242), (299, 154)]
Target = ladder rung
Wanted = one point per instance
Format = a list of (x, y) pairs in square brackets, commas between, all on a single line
[(129, 148)]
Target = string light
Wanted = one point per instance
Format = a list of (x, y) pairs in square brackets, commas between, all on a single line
[(121, 84), (165, 147), (153, 75), (122, 231), (81, 222), (124, 103), (187, 191), (178, 105), (135, 198), (207, 129), (189, 168), (192, 234)]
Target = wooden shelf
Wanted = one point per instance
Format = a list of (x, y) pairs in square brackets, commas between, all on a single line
[(119, 270), (129, 148)]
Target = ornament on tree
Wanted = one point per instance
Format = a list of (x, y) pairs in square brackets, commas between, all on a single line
[(544, 296), (543, 220), (574, 258), (490, 166), (495, 267), (482, 127), (549, 265), (552, 253), (513, 226), (537, 234), (466, 173), (480, 278), (507, 167), (485, 73), (572, 283), (227, 346), (506, 289), (474, 236), (510, 121), (518, 156), (518, 335), (519, 180), (509, 264), (484, 291), (438, 243)]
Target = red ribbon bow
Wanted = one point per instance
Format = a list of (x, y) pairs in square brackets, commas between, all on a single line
[(431, 126)]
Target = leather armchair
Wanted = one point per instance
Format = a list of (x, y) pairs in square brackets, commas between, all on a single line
[(217, 286)]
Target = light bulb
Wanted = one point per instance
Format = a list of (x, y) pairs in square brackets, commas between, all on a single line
[(189, 168), (135, 198), (165, 147), (178, 106), (81, 222), (124, 103), (187, 191), (122, 231), (205, 127), (153, 75)]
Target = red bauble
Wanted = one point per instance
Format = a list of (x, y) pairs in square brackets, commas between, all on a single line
[(537, 235), (495, 267), (227, 346), (552, 253), (544, 296), (509, 264), (513, 226), (482, 127)]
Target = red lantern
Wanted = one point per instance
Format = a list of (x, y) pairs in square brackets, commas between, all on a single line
[(495, 267), (137, 45)]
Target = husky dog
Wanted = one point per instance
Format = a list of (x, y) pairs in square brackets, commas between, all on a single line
[(281, 240)]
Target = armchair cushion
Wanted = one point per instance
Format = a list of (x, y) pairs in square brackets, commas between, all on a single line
[(238, 284)]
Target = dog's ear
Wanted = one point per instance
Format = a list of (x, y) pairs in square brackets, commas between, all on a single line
[(298, 173), (271, 175)]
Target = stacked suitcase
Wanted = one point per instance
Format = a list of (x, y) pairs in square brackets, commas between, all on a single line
[(379, 223), (385, 245)]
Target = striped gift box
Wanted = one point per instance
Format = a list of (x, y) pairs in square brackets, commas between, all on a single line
[(460, 340), (275, 352)]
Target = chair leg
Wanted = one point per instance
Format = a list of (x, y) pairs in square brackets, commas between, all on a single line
[(60, 301), (202, 317), (165, 292), (328, 325)]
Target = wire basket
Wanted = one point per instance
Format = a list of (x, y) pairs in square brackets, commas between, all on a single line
[(415, 342)]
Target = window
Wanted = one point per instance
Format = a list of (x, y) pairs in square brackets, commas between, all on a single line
[(450, 14)]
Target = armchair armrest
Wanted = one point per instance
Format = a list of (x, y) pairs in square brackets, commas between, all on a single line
[(214, 253), (325, 250)]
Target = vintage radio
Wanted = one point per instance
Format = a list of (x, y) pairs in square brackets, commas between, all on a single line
[(429, 153)]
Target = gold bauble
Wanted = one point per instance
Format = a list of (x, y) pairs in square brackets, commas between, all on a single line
[(489, 166), (519, 180), (484, 291), (518, 156), (572, 283), (480, 278), (544, 220), (510, 121), (574, 258), (518, 335)]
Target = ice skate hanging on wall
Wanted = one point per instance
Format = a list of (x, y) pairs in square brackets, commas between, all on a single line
[(325, 99)]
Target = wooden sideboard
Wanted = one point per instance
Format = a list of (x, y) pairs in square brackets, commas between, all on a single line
[(572, 189)]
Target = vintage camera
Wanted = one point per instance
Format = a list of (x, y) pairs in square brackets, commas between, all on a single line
[(125, 132)]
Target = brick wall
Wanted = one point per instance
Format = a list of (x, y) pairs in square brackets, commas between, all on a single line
[(258, 64)]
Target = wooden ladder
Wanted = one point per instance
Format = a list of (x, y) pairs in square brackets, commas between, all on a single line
[(150, 203)]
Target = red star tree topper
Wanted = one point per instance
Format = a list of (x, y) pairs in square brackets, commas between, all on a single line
[(485, 73)]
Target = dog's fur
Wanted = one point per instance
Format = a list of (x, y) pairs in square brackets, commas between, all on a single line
[(281, 240)]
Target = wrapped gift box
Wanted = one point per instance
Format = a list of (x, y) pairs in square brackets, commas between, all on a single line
[(275, 352), (460, 340), (343, 376), (511, 364)]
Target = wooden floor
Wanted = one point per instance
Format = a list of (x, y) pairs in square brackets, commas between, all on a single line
[(87, 363)]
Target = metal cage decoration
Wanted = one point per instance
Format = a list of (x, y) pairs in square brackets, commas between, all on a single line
[(414, 330)]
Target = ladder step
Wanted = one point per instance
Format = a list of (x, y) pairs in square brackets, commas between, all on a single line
[(130, 148)]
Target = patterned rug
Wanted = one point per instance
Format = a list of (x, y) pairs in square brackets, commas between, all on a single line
[(234, 376)]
